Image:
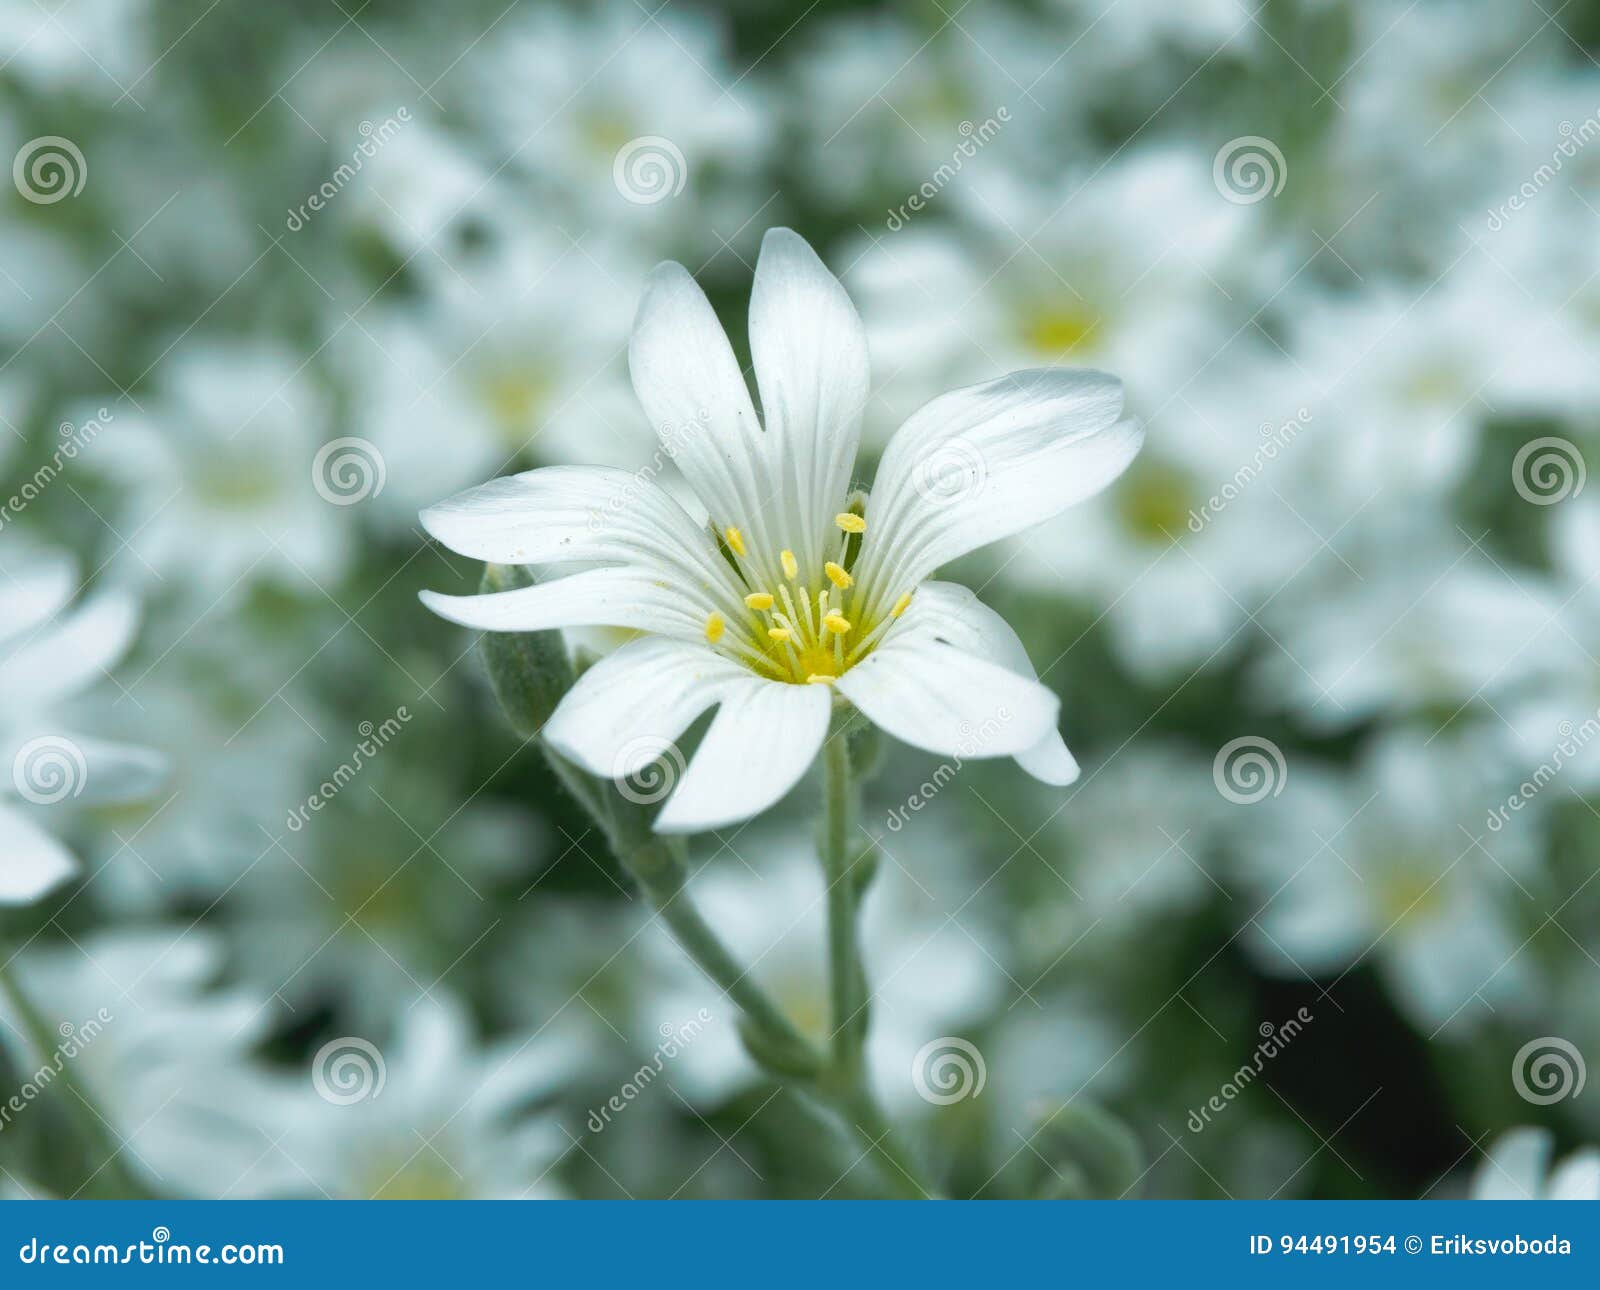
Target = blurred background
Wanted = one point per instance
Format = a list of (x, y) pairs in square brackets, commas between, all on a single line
[(290, 911)]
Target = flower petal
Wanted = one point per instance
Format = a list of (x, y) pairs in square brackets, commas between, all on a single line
[(957, 616), (32, 862), (694, 393), (764, 737), (634, 704), (69, 655), (35, 593), (938, 697), (619, 597), (989, 461), (810, 355), (560, 514)]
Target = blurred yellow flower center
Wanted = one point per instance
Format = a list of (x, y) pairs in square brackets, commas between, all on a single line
[(514, 399), (1155, 501), (1059, 329)]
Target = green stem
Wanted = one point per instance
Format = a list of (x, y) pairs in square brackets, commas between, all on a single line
[(836, 1080), (659, 868), (846, 976), (844, 1083), (91, 1125)]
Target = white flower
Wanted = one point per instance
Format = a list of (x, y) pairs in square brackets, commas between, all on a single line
[(1517, 1167), (49, 653), (794, 596)]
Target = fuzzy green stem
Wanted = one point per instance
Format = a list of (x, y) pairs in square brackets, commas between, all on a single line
[(844, 1083), (659, 868)]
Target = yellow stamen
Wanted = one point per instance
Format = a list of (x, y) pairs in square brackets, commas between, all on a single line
[(779, 633), (791, 567), (758, 600), (714, 628), (850, 523), (735, 539), (836, 623), (837, 575), (900, 605), (818, 678)]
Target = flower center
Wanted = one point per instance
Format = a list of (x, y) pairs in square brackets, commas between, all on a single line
[(810, 625)]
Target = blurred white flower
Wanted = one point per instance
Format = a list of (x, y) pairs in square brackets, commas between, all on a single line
[(1518, 1166), (1133, 268), (773, 607), (430, 1113), (169, 1059), (50, 652), (625, 116), (495, 365), (1394, 869), (221, 476), (1362, 633)]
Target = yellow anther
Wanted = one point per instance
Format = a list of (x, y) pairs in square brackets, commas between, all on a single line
[(758, 600), (735, 539), (779, 633), (819, 678), (791, 567), (900, 605), (836, 623), (714, 628), (837, 575), (850, 523)]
